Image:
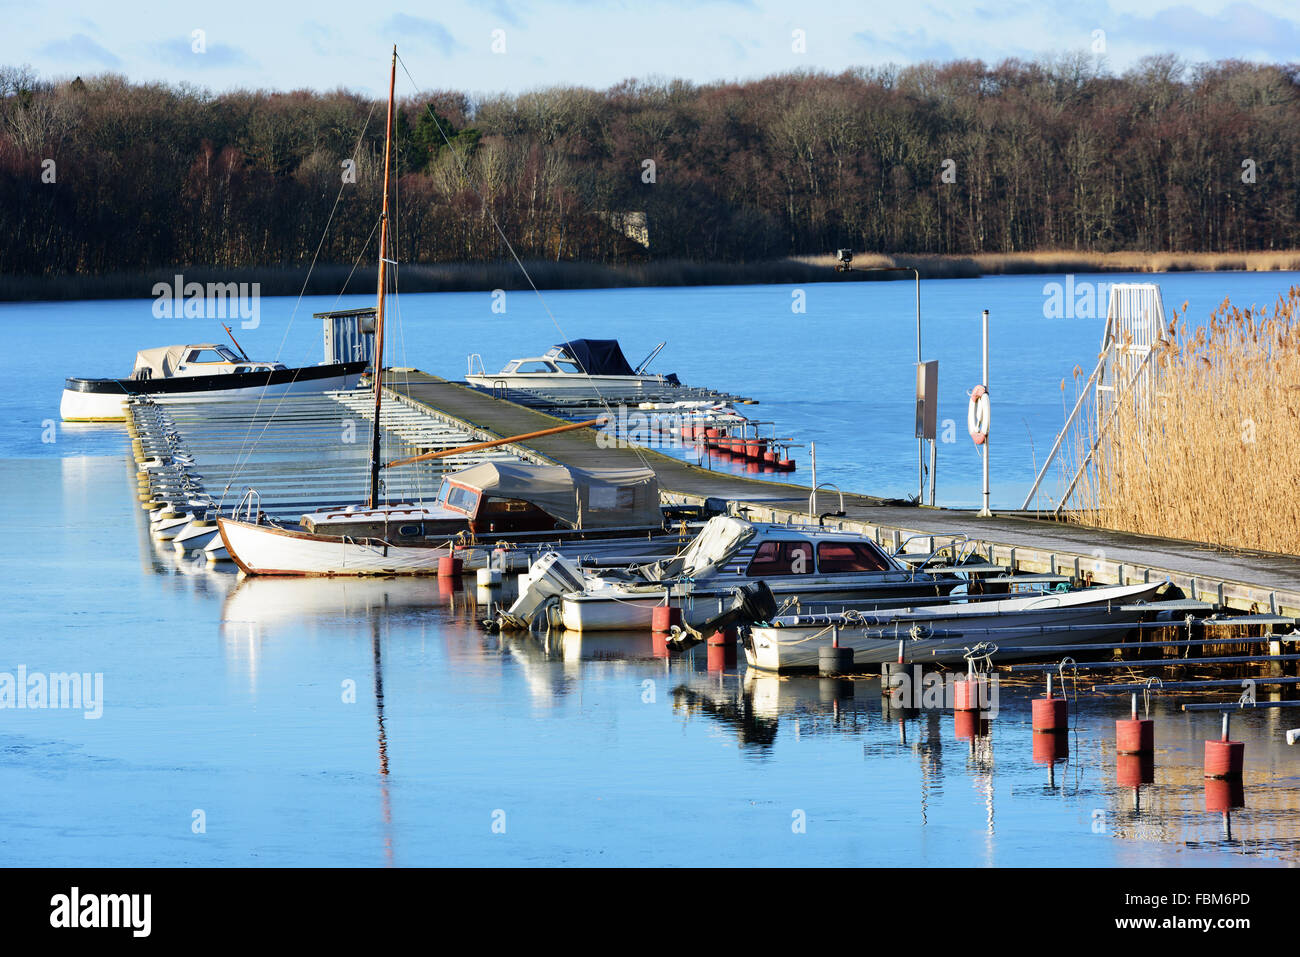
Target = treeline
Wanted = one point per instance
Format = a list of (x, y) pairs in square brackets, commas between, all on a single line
[(101, 175)]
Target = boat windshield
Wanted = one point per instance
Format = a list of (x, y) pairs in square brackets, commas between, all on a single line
[(458, 498), (782, 558), (835, 557), (213, 354)]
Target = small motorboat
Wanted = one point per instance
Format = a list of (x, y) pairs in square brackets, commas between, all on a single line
[(942, 633), (810, 562), (581, 365), (201, 371)]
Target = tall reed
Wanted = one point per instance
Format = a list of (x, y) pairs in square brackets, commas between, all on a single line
[(1214, 455)]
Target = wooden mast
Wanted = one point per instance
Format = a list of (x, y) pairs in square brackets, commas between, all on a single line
[(378, 362)]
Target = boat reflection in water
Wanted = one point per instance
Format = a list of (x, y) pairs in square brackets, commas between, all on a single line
[(258, 610), (945, 767)]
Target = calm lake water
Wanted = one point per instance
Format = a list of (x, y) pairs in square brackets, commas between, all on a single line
[(372, 723)]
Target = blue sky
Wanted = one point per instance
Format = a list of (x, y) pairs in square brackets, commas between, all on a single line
[(449, 44)]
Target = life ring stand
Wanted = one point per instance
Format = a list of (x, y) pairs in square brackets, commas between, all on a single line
[(979, 414)]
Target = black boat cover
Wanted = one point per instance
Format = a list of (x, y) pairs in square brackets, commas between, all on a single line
[(598, 356)]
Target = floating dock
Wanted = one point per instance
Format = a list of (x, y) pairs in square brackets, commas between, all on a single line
[(296, 453)]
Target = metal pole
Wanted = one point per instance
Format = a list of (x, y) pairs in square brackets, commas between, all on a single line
[(812, 455), (934, 452), (378, 364), (986, 511), (920, 442)]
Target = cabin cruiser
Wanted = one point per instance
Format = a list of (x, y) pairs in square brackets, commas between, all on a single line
[(202, 371), (588, 365), (599, 516), (943, 632), (811, 562)]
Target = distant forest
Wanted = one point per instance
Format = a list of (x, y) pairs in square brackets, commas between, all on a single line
[(101, 175)]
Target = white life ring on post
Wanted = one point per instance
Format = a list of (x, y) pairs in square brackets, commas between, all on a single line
[(979, 414)]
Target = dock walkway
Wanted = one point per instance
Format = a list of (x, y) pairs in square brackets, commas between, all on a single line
[(1248, 581)]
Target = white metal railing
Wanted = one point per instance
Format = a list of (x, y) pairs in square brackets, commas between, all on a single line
[(812, 499)]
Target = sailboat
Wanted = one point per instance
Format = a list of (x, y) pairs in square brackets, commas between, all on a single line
[(530, 504)]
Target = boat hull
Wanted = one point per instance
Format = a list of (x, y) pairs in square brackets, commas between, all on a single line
[(778, 649), (618, 610), (104, 400), (267, 550), (569, 383)]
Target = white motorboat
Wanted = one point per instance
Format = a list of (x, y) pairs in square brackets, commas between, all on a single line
[(941, 633), (595, 366), (196, 535), (810, 562), (206, 370)]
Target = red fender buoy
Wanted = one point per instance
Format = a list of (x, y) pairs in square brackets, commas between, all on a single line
[(1050, 714), (1135, 736), (450, 567), (967, 694), (663, 617), (1224, 759), (722, 649)]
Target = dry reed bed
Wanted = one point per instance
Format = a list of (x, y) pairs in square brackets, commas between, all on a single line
[(1070, 261), (1216, 456)]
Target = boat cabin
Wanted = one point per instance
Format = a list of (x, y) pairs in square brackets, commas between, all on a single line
[(729, 547), (509, 498), (168, 362), (578, 359)]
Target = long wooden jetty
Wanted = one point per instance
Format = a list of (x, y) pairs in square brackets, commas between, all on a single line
[(1255, 582)]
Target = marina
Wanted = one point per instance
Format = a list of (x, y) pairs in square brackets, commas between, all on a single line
[(352, 606), (428, 413), (263, 627)]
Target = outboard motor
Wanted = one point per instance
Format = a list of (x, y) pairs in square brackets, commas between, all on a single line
[(748, 603), (549, 577)]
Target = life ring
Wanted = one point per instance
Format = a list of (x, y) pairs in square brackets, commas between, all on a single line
[(979, 414)]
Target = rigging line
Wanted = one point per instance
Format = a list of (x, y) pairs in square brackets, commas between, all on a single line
[(400, 345), (515, 256), (240, 458), (355, 264), (356, 150)]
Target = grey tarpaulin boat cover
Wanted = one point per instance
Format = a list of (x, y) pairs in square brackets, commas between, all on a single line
[(598, 356), (584, 498), (162, 362)]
